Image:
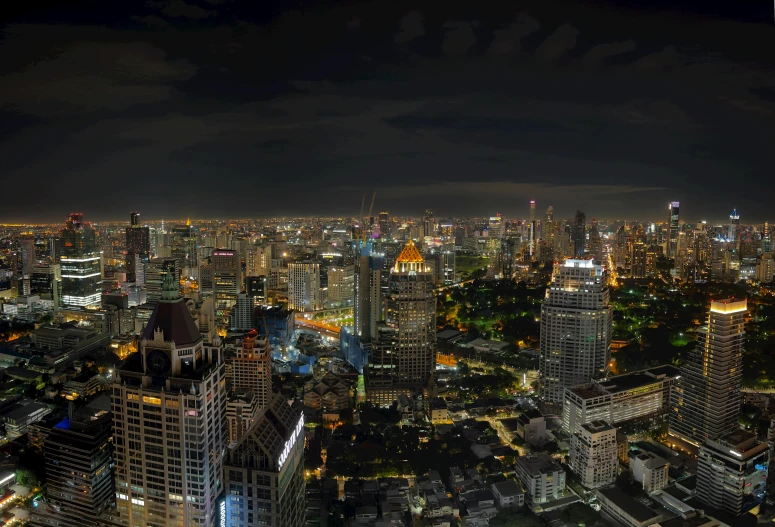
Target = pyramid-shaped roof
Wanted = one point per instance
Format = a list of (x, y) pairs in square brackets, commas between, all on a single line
[(410, 254)]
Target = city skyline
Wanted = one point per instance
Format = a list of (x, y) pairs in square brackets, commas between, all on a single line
[(432, 108)]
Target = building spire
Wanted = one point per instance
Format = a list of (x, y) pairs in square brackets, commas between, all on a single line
[(169, 289)]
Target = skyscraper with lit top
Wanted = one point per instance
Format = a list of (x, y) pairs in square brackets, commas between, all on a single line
[(706, 400), (404, 355), (576, 325)]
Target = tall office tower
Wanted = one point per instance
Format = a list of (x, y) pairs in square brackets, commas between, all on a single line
[(258, 260), (638, 256), (79, 472), (593, 454), (578, 234), (732, 472), (532, 210), (138, 245), (595, 243), (155, 271), (495, 227), (169, 421), (429, 225), (384, 224), (734, 227), (81, 263), (673, 230), (304, 286), (183, 243), (28, 256), (576, 325), (443, 264), (367, 310), (227, 281), (265, 471), (706, 401), (410, 316), (341, 284)]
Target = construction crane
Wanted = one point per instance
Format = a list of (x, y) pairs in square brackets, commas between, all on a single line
[(373, 197)]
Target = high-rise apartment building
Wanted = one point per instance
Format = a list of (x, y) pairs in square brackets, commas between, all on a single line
[(341, 283), (227, 280), (673, 228), (153, 276), (732, 472), (81, 264), (404, 355), (706, 401), (579, 235), (169, 421), (258, 260), (251, 368), (593, 454), (576, 324), (264, 471), (304, 286)]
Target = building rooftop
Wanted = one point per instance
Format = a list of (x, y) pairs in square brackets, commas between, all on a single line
[(638, 379), (637, 510), (594, 427), (508, 488), (536, 464), (175, 321)]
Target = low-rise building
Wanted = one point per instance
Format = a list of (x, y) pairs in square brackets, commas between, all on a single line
[(621, 399), (84, 385), (649, 470), (593, 454), (508, 494), (531, 427), (436, 410), (541, 476), (21, 415), (330, 393), (624, 509)]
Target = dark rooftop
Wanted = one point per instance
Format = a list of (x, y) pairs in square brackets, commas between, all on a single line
[(637, 510), (637, 379), (174, 319)]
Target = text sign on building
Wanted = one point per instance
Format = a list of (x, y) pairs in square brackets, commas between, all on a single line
[(290, 442)]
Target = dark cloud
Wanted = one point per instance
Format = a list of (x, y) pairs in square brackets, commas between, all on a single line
[(202, 108), (411, 27)]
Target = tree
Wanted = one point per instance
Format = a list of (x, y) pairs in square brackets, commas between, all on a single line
[(512, 518)]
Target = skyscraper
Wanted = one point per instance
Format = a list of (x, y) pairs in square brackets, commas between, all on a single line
[(169, 422), (138, 245), (578, 234), (81, 265), (28, 256), (405, 351), (304, 286), (672, 230), (706, 401), (734, 226), (227, 280), (576, 325)]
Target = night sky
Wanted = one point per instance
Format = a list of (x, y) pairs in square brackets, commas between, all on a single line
[(218, 108)]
